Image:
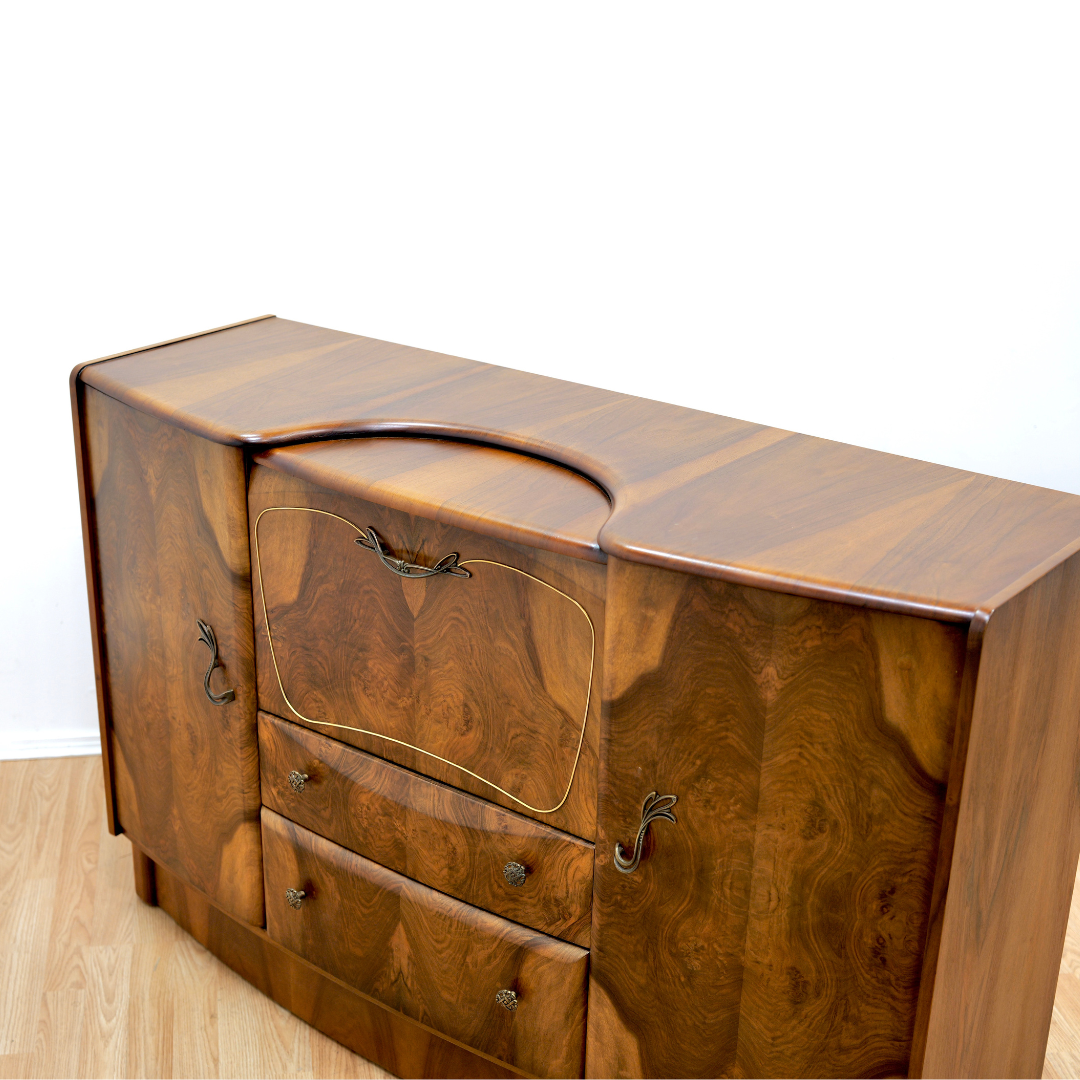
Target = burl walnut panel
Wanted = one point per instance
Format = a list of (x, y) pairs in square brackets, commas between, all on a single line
[(171, 539), (441, 837), (439, 961), (778, 928), (492, 673)]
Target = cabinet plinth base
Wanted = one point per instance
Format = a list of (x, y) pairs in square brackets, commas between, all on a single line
[(145, 876), (384, 1037)]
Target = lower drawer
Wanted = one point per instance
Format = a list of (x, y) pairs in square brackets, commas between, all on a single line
[(437, 960)]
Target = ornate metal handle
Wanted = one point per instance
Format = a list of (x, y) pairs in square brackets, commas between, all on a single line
[(514, 873), (507, 999), (297, 780), (448, 564), (295, 897), (652, 809), (206, 636)]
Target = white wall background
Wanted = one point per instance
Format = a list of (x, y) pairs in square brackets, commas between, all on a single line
[(859, 221)]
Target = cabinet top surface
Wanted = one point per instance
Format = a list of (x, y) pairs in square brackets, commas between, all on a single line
[(481, 488), (690, 490)]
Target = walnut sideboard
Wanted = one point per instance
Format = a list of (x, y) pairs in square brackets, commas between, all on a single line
[(497, 725)]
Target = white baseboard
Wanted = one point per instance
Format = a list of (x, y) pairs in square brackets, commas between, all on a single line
[(43, 745)]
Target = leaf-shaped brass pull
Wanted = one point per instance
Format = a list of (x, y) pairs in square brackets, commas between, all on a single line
[(652, 809), (448, 564), (206, 636)]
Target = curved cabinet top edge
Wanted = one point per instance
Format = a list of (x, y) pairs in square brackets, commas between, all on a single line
[(77, 370), (692, 491), (487, 490)]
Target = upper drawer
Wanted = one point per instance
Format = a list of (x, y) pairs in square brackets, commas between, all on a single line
[(444, 838), (513, 993), (487, 679)]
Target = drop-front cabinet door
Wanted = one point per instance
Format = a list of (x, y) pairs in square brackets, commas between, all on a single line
[(777, 926), (487, 682), (170, 516)]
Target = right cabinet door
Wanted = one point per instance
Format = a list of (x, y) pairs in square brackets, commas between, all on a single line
[(777, 928)]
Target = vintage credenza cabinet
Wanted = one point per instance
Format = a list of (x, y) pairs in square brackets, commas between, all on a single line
[(495, 724)]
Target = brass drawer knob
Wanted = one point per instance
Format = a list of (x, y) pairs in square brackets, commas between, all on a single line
[(295, 897), (297, 780), (507, 999), (515, 873)]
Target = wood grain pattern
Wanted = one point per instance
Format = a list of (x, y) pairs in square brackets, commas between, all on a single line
[(777, 929), (691, 491), (77, 389), (1017, 839), (171, 536), (383, 1035), (1063, 1045), (828, 755), (95, 984), (438, 836), (70, 921), (439, 961), (480, 488), (491, 672)]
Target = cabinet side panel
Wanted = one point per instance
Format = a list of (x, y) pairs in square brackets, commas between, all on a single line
[(1017, 840), (90, 558), (171, 531), (777, 928)]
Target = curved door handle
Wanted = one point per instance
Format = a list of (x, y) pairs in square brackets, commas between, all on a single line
[(448, 564), (652, 809), (206, 636)]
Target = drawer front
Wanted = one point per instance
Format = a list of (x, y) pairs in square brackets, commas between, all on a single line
[(444, 838), (488, 682), (437, 960)]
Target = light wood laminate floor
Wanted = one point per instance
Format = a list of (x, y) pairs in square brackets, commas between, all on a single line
[(95, 984)]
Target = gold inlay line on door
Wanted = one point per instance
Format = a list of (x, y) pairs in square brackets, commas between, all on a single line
[(399, 742)]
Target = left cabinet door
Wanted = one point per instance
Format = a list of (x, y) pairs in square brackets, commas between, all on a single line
[(169, 515)]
